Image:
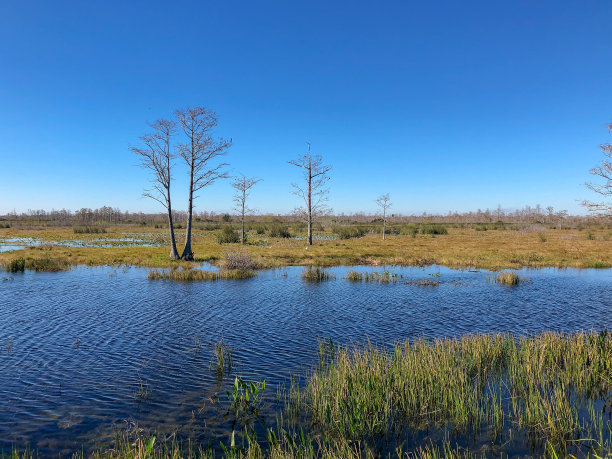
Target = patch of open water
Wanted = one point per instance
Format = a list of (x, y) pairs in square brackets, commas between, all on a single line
[(75, 345)]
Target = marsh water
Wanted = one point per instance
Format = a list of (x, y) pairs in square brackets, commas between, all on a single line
[(77, 347)]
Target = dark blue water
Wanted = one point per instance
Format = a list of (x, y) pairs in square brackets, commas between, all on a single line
[(75, 346)]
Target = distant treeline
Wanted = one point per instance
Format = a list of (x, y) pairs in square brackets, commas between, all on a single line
[(108, 215)]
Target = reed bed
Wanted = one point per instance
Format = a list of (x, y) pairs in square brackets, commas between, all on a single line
[(478, 383), (384, 277), (316, 274), (192, 275), (506, 278)]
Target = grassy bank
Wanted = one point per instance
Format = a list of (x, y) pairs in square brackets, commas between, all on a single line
[(460, 248)]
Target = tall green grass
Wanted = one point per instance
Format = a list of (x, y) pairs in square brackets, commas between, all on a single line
[(191, 275), (316, 274)]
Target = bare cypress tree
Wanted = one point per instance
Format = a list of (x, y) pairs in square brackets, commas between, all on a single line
[(156, 155), (243, 185), (604, 171), (199, 152), (314, 193), (384, 202)]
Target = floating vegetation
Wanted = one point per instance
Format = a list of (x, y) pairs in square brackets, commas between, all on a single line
[(191, 275), (316, 274), (424, 283), (506, 278)]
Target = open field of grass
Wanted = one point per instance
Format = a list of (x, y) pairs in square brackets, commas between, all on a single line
[(460, 248)]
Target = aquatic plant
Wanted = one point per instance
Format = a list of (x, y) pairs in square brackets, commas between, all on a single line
[(191, 275), (143, 391), (223, 355), (316, 274), (506, 278)]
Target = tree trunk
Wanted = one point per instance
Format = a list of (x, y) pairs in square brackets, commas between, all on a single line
[(187, 252), (173, 251), (309, 198), (243, 239), (384, 223)]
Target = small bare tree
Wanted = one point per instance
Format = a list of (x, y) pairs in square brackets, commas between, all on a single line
[(156, 155), (199, 152), (604, 171), (314, 193), (384, 202), (243, 185)]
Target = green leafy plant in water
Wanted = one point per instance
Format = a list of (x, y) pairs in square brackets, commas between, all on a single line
[(245, 401)]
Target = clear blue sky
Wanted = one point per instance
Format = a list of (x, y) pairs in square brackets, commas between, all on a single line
[(445, 105)]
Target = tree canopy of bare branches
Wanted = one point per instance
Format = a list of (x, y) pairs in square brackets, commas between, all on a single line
[(156, 155), (314, 192), (243, 186), (384, 202), (604, 173), (200, 151)]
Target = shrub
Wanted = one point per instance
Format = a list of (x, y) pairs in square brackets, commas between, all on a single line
[(228, 236), (239, 259), (16, 266), (88, 230), (432, 228), (259, 229), (410, 230), (348, 232), (279, 231)]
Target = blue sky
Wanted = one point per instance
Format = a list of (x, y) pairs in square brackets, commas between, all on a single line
[(445, 105)]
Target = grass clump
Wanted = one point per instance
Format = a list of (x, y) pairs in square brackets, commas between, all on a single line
[(47, 263), (16, 265), (223, 357), (384, 277), (192, 275), (507, 278), (316, 274), (228, 236), (354, 276)]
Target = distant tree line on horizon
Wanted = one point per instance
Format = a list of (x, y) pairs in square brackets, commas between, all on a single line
[(110, 215)]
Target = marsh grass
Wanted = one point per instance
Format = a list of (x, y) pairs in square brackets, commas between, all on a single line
[(223, 358), (89, 230), (143, 391), (477, 383), (316, 274), (384, 277), (16, 265), (506, 278), (193, 275), (47, 263)]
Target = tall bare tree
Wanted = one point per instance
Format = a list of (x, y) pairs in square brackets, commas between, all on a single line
[(243, 186), (384, 202), (156, 155), (603, 171), (199, 152), (314, 193)]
